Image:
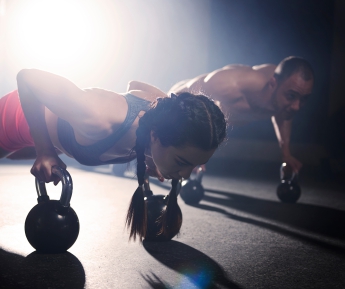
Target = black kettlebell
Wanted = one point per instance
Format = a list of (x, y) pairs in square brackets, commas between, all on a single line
[(155, 205), (192, 190), (288, 190), (53, 226)]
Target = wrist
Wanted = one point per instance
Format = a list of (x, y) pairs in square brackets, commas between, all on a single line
[(45, 150), (285, 152)]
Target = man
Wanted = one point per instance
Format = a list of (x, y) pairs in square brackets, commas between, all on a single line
[(251, 93)]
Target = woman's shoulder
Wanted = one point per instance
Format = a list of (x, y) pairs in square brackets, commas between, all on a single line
[(99, 91), (147, 95), (135, 85)]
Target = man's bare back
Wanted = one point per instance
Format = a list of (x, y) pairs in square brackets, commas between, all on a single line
[(242, 91)]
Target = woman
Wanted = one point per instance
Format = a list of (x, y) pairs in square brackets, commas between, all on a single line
[(171, 135)]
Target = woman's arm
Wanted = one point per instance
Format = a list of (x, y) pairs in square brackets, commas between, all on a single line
[(39, 89), (57, 93), (34, 111), (138, 85)]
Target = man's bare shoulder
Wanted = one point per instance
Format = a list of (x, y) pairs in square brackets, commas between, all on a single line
[(235, 67), (264, 66), (232, 72), (239, 73), (246, 78), (265, 69)]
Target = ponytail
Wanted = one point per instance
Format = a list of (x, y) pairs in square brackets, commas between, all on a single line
[(136, 219)]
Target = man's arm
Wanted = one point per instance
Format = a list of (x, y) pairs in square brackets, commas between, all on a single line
[(282, 129)]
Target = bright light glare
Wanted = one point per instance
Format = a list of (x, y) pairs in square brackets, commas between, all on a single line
[(2, 7), (58, 34)]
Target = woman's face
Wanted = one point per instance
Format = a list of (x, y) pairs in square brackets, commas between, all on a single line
[(177, 162)]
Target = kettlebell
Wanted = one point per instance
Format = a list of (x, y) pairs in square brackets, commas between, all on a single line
[(155, 204), (192, 190), (288, 191), (52, 226)]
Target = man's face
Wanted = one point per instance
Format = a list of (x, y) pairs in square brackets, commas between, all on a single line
[(291, 95)]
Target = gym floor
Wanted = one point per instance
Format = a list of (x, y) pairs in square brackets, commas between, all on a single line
[(239, 236)]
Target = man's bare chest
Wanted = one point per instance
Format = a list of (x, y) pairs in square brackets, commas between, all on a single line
[(244, 108)]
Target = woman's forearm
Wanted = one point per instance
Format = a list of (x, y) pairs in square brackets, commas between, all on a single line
[(34, 112)]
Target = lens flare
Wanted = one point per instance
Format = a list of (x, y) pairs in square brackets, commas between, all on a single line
[(200, 279)]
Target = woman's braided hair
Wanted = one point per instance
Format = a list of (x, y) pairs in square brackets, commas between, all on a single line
[(183, 119)]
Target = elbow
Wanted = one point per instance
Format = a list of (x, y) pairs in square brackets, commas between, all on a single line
[(22, 75), (132, 85), (27, 73)]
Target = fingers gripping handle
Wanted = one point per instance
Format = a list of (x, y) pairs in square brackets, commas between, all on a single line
[(199, 174), (287, 173), (67, 186)]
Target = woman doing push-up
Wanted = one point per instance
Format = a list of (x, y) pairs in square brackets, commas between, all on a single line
[(170, 135)]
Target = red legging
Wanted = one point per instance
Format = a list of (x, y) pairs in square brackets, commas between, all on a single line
[(14, 130)]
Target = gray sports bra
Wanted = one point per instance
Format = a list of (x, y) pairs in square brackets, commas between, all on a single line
[(89, 155)]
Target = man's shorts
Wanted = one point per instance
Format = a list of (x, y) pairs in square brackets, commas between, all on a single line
[(14, 129)]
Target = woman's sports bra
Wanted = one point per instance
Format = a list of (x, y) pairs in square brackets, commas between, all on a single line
[(89, 155)]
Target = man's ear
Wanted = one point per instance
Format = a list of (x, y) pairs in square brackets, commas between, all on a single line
[(272, 83)]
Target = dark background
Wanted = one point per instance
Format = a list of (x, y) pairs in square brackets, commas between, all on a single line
[(162, 42), (256, 32)]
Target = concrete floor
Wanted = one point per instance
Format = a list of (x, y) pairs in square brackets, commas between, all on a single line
[(239, 236)]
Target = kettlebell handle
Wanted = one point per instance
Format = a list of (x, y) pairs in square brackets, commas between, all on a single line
[(294, 175), (199, 174), (67, 186)]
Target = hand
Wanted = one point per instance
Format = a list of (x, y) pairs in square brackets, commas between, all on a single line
[(42, 168), (154, 173), (295, 164), (203, 169)]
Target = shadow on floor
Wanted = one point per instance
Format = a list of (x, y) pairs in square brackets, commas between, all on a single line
[(197, 267), (40, 271), (297, 219)]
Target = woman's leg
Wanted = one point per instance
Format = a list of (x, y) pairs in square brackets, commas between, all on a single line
[(28, 153), (15, 139), (4, 153)]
